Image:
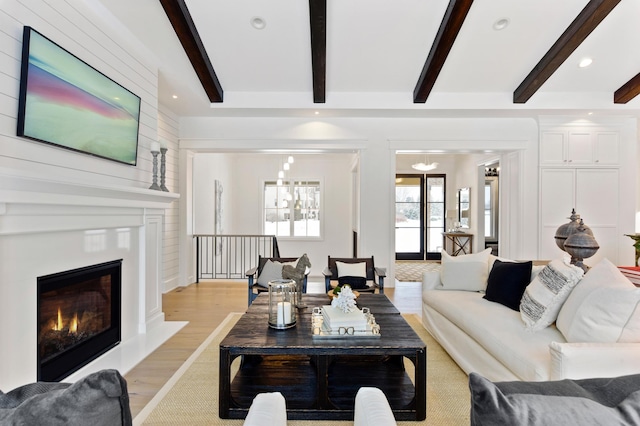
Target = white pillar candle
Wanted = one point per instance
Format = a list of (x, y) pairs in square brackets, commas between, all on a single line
[(284, 313), (155, 146)]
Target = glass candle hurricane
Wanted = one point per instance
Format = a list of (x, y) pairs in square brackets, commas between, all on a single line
[(282, 304)]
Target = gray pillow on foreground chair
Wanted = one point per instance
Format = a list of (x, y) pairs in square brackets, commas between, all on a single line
[(99, 399), (602, 401)]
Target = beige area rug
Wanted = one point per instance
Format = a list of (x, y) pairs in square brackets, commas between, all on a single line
[(412, 270), (190, 397)]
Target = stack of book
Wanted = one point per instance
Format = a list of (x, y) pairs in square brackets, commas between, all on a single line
[(335, 318), (631, 272)]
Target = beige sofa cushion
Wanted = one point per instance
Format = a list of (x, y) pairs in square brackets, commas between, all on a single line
[(604, 307), (467, 272), (499, 330)]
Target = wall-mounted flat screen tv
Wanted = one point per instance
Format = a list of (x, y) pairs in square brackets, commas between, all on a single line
[(66, 102)]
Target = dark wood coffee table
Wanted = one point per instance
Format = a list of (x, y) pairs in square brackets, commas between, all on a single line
[(319, 378)]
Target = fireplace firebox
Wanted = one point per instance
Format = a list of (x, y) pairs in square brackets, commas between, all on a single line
[(78, 318)]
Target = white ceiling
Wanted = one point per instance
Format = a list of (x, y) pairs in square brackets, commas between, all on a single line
[(375, 52)]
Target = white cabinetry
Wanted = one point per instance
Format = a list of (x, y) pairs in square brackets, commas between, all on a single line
[(571, 147), (594, 193)]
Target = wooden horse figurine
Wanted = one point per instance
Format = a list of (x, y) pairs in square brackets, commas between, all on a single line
[(297, 274)]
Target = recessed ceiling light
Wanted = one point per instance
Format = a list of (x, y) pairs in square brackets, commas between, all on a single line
[(585, 62), (590, 113), (501, 24), (317, 112), (258, 23), (175, 96)]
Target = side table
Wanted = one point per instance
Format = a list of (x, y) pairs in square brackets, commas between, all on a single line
[(458, 242)]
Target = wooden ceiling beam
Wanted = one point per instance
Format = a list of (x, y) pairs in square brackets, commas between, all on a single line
[(588, 19), (449, 28), (318, 26), (628, 91), (187, 33)]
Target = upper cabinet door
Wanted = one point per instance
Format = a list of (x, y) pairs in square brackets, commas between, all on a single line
[(579, 148), (575, 148), (606, 149), (553, 148)]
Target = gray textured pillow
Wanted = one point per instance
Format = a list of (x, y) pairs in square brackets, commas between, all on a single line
[(602, 401), (99, 399), (544, 296), (271, 271)]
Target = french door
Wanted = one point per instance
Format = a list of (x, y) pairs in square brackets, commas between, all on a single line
[(420, 216)]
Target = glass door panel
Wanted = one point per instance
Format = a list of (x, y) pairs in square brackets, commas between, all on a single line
[(420, 216), (436, 219), (409, 213)]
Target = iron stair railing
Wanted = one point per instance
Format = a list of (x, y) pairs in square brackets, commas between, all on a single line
[(230, 256)]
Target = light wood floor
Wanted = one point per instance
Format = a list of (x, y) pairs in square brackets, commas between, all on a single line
[(205, 306)]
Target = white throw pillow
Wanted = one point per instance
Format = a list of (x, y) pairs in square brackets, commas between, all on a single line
[(271, 271), (604, 307), (352, 269), (545, 295), (467, 272)]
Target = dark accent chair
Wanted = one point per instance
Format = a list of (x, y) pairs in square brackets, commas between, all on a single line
[(253, 274), (375, 275)]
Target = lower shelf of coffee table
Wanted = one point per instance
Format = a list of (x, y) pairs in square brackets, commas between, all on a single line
[(296, 377)]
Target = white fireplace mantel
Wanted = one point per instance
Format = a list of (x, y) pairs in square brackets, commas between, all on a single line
[(51, 224), (31, 188), (33, 203)]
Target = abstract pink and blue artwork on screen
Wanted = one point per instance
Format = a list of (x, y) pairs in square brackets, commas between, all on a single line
[(64, 101)]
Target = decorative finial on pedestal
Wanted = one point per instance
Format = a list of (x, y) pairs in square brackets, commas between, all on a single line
[(581, 245), (565, 230)]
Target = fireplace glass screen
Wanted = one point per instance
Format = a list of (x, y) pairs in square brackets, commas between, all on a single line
[(78, 318)]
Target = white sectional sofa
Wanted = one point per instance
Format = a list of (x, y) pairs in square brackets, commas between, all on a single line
[(493, 340)]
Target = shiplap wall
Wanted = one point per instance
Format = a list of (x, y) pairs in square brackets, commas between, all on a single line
[(83, 30), (92, 35), (168, 126)]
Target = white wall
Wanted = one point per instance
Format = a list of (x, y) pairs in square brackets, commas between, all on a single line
[(207, 168), (82, 30), (377, 141), (243, 176), (89, 185), (168, 129)]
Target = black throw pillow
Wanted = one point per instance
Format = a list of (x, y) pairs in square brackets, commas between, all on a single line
[(356, 283), (507, 282)]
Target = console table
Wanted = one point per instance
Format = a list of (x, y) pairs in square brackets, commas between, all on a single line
[(319, 378), (458, 243)]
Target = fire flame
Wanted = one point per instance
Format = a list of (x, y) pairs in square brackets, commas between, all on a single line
[(73, 325), (58, 326)]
